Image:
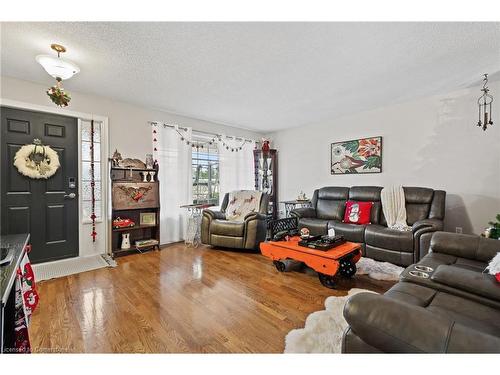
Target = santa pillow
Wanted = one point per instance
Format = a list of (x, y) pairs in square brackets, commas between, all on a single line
[(494, 267)]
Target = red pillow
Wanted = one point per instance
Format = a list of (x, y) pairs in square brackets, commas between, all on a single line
[(357, 212)]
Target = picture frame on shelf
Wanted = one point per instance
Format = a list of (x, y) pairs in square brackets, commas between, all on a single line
[(147, 218)]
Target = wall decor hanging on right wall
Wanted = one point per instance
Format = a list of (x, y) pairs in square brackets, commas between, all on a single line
[(357, 156)]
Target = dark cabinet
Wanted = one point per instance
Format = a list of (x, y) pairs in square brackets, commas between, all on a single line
[(266, 177)]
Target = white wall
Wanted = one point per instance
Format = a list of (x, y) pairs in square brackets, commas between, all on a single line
[(128, 129), (431, 142)]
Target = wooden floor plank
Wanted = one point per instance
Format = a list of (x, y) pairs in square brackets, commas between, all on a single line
[(181, 300)]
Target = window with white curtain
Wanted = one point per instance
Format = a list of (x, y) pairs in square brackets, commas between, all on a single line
[(86, 171), (205, 174)]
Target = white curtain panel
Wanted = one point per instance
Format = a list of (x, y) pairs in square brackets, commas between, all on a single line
[(236, 168), (174, 159)]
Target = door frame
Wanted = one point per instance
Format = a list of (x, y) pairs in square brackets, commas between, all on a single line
[(84, 226)]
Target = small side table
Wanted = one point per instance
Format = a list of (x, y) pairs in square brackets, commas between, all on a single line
[(291, 205), (193, 233)]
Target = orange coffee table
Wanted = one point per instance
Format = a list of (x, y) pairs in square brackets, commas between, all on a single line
[(340, 259)]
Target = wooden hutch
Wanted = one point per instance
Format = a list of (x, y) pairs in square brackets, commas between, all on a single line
[(131, 197)]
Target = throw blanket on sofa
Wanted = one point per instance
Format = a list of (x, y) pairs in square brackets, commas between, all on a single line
[(241, 203), (393, 205)]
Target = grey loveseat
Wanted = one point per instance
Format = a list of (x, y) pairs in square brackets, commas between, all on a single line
[(425, 210)]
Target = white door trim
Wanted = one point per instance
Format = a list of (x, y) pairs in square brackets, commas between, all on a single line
[(104, 163)]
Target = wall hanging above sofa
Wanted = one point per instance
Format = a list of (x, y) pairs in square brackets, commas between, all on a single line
[(357, 156)]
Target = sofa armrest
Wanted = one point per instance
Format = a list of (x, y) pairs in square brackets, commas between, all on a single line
[(474, 282), (303, 212), (420, 228), (255, 230), (214, 214), (430, 225), (378, 321), (254, 216)]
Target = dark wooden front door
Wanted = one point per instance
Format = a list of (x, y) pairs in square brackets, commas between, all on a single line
[(45, 208)]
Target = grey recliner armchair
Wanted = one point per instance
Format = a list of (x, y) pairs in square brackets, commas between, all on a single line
[(216, 230)]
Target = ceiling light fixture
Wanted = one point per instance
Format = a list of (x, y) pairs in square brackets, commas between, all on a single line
[(58, 67)]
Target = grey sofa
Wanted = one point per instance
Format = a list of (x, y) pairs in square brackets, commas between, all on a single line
[(455, 310), (425, 210), (248, 234)]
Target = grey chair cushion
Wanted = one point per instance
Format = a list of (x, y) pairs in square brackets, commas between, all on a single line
[(351, 232), (316, 226), (383, 237), (227, 228)]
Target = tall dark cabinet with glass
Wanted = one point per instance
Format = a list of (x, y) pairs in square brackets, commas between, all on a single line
[(266, 177)]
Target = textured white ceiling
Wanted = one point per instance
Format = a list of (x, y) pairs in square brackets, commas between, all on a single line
[(260, 76)]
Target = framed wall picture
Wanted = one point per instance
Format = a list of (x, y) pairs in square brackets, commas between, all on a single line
[(357, 156), (147, 218), (133, 195)]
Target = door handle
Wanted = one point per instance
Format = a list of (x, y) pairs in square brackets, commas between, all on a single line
[(70, 196)]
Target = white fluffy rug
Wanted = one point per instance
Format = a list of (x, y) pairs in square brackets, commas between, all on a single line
[(323, 329), (378, 270)]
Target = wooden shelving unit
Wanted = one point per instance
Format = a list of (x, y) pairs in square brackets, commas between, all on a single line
[(138, 231)]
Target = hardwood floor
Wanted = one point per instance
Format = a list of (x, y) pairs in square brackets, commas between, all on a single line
[(180, 299)]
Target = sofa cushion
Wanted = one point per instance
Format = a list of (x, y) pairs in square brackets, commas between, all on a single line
[(351, 232), (227, 228), (468, 280), (469, 313), (330, 209), (418, 203), (470, 264), (316, 226), (465, 246), (338, 193), (434, 260), (235, 242), (331, 202), (368, 194), (462, 310), (386, 238), (400, 258)]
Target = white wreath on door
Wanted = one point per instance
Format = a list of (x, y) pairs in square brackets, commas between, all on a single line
[(36, 161)]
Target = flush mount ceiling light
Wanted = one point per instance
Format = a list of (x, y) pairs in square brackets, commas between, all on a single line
[(58, 67)]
